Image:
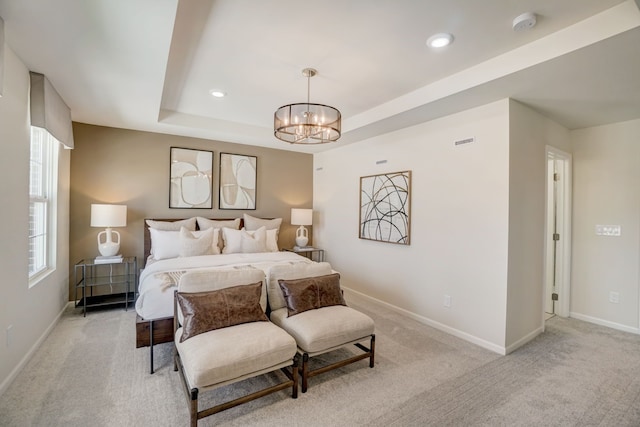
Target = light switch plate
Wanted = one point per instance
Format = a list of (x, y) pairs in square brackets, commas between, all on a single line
[(608, 230)]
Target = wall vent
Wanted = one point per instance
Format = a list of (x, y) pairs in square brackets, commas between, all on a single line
[(465, 141)]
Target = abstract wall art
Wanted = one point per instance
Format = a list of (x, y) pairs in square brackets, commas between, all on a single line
[(385, 207), (238, 175), (191, 181)]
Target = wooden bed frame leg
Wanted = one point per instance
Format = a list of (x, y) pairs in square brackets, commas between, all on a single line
[(372, 348), (151, 345), (305, 372)]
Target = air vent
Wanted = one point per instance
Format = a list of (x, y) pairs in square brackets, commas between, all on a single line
[(465, 141)]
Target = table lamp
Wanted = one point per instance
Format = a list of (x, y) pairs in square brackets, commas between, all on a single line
[(108, 216), (301, 217)]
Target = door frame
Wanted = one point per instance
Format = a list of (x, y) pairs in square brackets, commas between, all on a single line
[(563, 226)]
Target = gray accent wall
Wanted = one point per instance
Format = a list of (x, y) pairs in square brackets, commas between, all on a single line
[(120, 166)]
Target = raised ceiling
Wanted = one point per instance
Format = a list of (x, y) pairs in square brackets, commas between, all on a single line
[(151, 64)]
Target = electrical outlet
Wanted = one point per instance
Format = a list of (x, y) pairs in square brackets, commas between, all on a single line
[(447, 301), (9, 335), (614, 297)]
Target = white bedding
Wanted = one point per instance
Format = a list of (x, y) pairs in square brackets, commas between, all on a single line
[(155, 298)]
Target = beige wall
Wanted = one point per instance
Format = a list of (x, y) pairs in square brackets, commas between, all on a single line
[(606, 179), (112, 165), (29, 312), (529, 134), (459, 224)]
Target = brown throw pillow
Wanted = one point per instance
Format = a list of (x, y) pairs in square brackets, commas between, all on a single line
[(311, 292), (206, 311)]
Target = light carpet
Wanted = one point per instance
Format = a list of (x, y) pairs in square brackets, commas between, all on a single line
[(89, 373)]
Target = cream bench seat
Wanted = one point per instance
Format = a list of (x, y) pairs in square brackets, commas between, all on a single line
[(319, 330), (223, 356)]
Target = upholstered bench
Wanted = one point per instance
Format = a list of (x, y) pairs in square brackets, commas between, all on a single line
[(223, 336), (324, 323)]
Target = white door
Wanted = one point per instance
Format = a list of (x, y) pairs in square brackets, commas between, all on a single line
[(558, 233)]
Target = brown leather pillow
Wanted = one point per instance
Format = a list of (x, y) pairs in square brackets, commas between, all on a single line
[(311, 293), (206, 311)]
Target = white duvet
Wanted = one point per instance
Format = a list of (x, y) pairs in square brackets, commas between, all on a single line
[(155, 296)]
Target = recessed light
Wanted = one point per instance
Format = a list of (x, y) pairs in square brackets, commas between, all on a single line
[(439, 40), (218, 93)]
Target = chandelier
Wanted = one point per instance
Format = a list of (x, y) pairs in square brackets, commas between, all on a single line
[(307, 123)]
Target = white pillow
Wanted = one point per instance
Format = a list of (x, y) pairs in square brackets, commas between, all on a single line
[(240, 241), (164, 244), (195, 243), (189, 224), (253, 223), (272, 240)]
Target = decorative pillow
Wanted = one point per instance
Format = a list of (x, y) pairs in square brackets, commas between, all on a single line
[(272, 240), (164, 244), (194, 243), (311, 293), (240, 241), (205, 223), (295, 270), (253, 223), (189, 224), (206, 311)]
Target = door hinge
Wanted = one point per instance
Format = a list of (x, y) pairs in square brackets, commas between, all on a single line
[(556, 236), (554, 297), (556, 177)]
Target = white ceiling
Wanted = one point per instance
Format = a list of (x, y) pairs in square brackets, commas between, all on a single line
[(150, 64)]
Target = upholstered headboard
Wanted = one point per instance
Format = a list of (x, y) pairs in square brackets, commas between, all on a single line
[(147, 235)]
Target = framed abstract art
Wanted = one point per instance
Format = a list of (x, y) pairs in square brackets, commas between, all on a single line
[(385, 207), (190, 182), (238, 175)]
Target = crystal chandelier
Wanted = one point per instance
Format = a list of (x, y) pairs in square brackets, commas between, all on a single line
[(307, 123)]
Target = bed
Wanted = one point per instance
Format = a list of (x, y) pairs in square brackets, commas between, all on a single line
[(174, 246)]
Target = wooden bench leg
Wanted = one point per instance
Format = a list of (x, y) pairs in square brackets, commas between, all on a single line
[(294, 377), (305, 372), (372, 349), (193, 408)]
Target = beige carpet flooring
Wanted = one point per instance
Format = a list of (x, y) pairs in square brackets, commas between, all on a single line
[(88, 373)]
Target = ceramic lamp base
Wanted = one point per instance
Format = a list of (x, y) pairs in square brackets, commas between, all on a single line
[(302, 236), (108, 247)]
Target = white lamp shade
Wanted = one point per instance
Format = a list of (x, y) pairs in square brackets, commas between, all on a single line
[(108, 215), (301, 216)]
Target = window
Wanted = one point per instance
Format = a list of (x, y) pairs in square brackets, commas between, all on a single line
[(43, 171)]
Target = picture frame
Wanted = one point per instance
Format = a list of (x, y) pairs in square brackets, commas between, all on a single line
[(238, 181), (385, 207), (190, 179)]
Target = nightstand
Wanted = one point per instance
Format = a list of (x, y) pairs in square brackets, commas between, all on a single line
[(314, 254), (99, 283)]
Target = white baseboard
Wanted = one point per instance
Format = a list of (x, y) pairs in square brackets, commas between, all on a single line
[(429, 322), (602, 322), (14, 373), (522, 341)]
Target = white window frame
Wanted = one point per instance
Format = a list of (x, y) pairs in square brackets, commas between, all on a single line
[(43, 188)]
